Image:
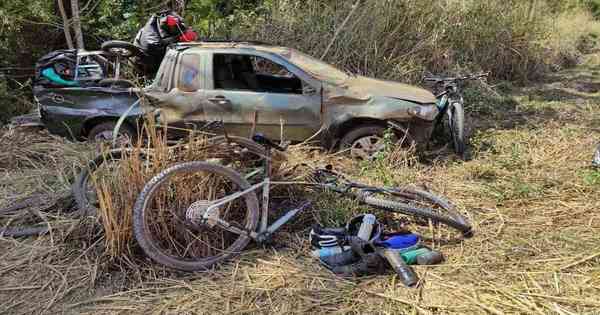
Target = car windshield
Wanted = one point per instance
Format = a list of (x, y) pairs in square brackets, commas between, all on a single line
[(317, 68)]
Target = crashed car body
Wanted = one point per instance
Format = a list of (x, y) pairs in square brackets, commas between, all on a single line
[(282, 92), (92, 107)]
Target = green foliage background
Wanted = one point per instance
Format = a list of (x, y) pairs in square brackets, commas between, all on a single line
[(391, 39)]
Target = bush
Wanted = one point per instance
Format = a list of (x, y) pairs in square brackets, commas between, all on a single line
[(573, 34), (401, 40), (13, 102)]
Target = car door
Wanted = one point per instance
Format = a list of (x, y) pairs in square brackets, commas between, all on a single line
[(247, 102), (180, 94)]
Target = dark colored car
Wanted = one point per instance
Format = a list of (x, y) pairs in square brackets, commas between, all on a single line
[(91, 109)]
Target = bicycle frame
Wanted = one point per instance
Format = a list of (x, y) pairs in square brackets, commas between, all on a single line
[(446, 99), (211, 214)]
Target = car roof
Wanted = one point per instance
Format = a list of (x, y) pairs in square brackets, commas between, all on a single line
[(249, 45)]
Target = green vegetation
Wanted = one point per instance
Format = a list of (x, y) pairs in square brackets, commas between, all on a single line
[(399, 40)]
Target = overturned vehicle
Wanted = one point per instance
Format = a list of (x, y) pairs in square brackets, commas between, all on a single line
[(283, 93), (80, 94)]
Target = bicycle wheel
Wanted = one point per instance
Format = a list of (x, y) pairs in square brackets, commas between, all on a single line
[(169, 238), (417, 203), (457, 128), (83, 189)]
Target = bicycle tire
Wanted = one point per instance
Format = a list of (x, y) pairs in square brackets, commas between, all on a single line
[(79, 187), (454, 219), (457, 128), (23, 231), (143, 234)]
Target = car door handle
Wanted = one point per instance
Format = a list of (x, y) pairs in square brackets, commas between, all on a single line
[(220, 100)]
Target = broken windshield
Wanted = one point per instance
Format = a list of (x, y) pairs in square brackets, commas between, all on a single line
[(316, 67)]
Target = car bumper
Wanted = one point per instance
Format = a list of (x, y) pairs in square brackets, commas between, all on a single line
[(419, 130), (28, 120)]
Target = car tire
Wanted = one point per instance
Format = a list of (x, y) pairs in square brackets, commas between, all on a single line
[(363, 142), (121, 48), (103, 132)]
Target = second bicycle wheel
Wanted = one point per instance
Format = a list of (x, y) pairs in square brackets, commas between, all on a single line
[(168, 237), (418, 204)]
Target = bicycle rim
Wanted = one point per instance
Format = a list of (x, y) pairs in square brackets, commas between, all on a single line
[(168, 237)]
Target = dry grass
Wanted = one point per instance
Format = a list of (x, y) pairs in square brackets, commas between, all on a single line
[(528, 190)]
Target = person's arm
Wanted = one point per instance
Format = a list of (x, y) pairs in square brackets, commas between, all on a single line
[(51, 75)]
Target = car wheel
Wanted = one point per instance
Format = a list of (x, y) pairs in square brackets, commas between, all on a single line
[(120, 48), (103, 132), (364, 142)]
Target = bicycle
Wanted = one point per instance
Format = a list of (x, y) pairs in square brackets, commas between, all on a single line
[(84, 191), (210, 221), (451, 104)]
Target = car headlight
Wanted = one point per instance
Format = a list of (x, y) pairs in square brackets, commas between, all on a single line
[(426, 112)]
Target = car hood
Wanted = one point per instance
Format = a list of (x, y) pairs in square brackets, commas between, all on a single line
[(365, 88)]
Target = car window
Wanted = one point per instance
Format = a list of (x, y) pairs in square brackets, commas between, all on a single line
[(321, 70), (264, 66), (188, 78), (89, 69), (253, 73)]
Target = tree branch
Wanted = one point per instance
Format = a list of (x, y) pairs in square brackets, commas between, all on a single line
[(63, 13), (77, 24)]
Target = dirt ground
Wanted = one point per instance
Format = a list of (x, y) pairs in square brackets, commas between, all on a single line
[(528, 189)]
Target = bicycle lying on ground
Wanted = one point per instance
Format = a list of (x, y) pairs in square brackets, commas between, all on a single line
[(451, 106), (195, 214)]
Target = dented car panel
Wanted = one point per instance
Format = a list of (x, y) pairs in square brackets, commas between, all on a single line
[(329, 98), (68, 111)]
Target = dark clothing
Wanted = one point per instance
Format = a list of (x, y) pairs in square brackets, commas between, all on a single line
[(154, 38)]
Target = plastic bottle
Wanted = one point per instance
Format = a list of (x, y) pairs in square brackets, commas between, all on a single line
[(405, 273), (410, 256), (431, 257), (328, 251), (366, 227)]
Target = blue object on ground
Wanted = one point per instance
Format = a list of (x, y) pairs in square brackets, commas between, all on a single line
[(400, 241)]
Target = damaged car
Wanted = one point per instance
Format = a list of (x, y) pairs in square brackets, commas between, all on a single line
[(287, 95), (81, 95)]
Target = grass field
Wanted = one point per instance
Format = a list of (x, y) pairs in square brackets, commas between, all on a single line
[(528, 189)]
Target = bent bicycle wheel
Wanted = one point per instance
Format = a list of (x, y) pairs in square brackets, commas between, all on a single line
[(83, 189), (166, 234), (420, 204)]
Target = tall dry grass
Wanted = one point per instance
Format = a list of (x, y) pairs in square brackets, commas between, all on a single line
[(575, 32), (402, 40)]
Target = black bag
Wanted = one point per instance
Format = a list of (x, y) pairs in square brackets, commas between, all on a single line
[(153, 40)]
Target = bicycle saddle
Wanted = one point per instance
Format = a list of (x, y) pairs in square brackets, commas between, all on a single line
[(262, 140)]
